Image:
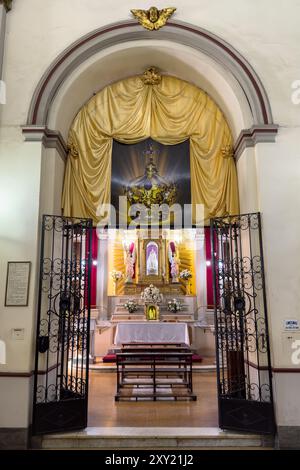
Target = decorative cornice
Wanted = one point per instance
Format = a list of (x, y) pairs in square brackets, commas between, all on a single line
[(49, 138), (247, 138), (151, 76), (254, 135), (7, 4)]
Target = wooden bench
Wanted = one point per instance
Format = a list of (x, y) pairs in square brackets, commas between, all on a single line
[(145, 373)]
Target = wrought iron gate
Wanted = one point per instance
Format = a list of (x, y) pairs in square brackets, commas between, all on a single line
[(62, 342), (242, 340)]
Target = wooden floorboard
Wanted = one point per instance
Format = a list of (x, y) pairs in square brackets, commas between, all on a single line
[(105, 412)]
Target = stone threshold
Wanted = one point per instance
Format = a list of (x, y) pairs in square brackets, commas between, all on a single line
[(155, 438)]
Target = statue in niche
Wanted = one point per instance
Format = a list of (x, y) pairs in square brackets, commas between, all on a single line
[(174, 262), (152, 259), (130, 258)]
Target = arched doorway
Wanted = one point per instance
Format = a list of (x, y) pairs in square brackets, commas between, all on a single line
[(40, 109)]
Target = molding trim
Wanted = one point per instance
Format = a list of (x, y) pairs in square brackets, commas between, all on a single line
[(288, 437), (26, 375), (14, 438), (49, 138), (54, 139), (286, 370), (125, 31), (275, 370), (255, 135)]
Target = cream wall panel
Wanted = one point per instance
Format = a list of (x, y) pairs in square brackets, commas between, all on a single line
[(278, 169), (15, 392)]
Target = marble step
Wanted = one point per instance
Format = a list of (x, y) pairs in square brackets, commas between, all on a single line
[(155, 438)]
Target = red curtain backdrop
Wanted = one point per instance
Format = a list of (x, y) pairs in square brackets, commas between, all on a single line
[(94, 268), (209, 274)]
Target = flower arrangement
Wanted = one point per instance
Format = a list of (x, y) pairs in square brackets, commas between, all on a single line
[(174, 305), (185, 274), (131, 306), (151, 294), (116, 275)]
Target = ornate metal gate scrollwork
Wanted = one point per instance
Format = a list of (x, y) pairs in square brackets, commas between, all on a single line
[(242, 340), (62, 343)]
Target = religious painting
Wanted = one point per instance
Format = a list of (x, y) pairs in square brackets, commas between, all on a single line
[(154, 181)]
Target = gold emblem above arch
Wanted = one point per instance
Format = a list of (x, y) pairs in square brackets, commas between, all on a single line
[(168, 110)]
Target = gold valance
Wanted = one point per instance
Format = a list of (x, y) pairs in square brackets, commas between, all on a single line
[(169, 112)]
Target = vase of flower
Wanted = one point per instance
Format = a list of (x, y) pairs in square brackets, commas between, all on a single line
[(131, 306), (174, 306), (151, 295), (116, 276), (186, 275)]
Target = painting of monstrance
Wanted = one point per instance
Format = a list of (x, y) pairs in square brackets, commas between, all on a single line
[(150, 175)]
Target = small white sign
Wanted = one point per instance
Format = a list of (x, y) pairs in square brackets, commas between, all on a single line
[(17, 283), (291, 325)]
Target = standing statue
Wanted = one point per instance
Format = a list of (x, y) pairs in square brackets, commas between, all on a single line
[(129, 259), (174, 262), (152, 262)]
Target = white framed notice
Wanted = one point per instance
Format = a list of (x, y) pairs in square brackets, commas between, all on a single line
[(17, 283)]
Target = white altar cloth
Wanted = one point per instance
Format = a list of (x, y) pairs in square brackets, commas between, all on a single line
[(151, 332)]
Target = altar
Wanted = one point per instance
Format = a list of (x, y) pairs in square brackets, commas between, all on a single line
[(151, 332)]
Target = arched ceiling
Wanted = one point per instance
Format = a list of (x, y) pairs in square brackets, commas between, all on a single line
[(133, 58), (125, 49)]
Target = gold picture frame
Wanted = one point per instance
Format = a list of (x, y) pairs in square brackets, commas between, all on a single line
[(152, 312), (151, 278)]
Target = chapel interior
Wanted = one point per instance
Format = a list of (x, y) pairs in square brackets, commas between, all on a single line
[(152, 337), (149, 272), (133, 261)]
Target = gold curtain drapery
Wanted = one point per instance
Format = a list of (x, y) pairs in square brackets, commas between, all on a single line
[(169, 112)]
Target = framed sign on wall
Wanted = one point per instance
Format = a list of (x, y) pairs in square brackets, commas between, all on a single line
[(17, 283)]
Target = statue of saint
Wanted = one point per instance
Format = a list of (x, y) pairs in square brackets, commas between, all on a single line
[(174, 262), (152, 262), (129, 258)]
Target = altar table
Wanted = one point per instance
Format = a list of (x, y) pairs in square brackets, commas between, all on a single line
[(151, 332)]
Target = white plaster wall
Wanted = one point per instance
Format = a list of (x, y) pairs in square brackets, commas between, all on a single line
[(16, 400), (278, 169), (38, 30), (247, 175), (287, 394), (19, 195), (52, 175)]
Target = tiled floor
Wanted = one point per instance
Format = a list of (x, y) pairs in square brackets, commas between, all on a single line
[(105, 412)]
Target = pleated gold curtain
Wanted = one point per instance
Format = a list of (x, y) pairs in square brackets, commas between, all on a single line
[(169, 112)]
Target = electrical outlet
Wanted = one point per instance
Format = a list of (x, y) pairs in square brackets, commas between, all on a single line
[(18, 334)]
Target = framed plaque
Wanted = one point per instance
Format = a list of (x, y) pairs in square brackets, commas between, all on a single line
[(17, 283)]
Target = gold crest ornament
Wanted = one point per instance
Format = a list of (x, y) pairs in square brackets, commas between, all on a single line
[(72, 148), (227, 151), (151, 76), (153, 18)]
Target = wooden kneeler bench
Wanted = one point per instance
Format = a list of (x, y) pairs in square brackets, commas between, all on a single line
[(154, 373)]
